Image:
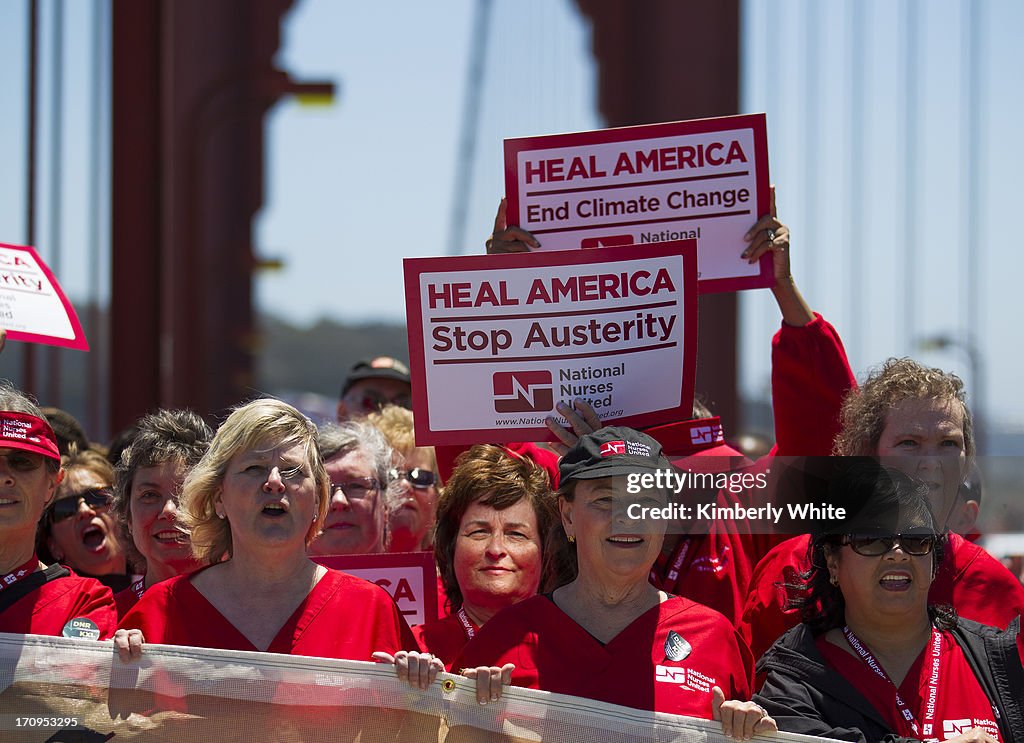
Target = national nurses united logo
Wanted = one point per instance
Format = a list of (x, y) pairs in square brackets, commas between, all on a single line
[(956, 728), (632, 448), (613, 448), (710, 434), (523, 392)]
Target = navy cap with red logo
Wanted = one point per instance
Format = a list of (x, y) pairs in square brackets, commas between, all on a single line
[(381, 367), (611, 452)]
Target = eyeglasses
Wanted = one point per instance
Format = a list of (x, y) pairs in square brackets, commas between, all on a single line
[(356, 489), (370, 402), (875, 545), (95, 498), (417, 477)]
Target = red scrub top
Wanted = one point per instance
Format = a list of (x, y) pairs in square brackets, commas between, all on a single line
[(342, 617), (552, 652), (973, 582), (446, 637), (63, 597), (960, 702)]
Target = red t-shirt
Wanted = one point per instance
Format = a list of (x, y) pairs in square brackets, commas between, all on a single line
[(45, 610), (973, 582), (552, 652), (342, 617), (960, 704)]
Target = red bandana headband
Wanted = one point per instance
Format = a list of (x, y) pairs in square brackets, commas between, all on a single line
[(28, 433)]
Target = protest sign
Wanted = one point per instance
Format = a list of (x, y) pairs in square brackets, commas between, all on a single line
[(497, 341), (705, 180), (33, 307), (410, 578)]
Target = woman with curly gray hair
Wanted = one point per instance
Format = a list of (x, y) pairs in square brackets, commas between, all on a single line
[(253, 504), (916, 419), (149, 475)]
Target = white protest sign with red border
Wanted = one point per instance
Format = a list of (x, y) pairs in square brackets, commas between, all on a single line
[(410, 578), (497, 341), (33, 307), (705, 180)]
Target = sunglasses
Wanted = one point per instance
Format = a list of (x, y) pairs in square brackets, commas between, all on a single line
[(417, 477), (356, 489), (875, 545), (95, 498)]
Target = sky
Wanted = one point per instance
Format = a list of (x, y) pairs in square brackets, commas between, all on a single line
[(382, 187), (885, 280), (354, 188)]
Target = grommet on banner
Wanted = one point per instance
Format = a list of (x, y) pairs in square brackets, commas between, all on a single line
[(448, 685)]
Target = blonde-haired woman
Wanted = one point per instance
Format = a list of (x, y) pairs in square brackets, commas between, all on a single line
[(254, 503)]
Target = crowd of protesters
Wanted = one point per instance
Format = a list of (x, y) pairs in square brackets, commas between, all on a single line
[(882, 626)]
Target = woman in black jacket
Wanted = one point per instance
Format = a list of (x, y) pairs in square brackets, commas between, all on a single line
[(872, 662)]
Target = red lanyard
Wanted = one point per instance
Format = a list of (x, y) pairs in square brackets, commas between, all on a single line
[(21, 572), (467, 626), (931, 699), (679, 557)]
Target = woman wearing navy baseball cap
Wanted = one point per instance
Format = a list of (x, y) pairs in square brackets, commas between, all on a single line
[(606, 633)]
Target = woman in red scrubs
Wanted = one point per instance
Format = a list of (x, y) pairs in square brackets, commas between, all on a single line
[(492, 518), (79, 530), (34, 598), (875, 662), (167, 444), (608, 634), (253, 504)]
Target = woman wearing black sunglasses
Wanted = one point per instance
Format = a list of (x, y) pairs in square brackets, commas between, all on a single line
[(872, 661), (78, 529), (412, 510)]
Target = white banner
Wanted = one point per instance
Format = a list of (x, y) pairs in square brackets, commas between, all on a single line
[(191, 694)]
